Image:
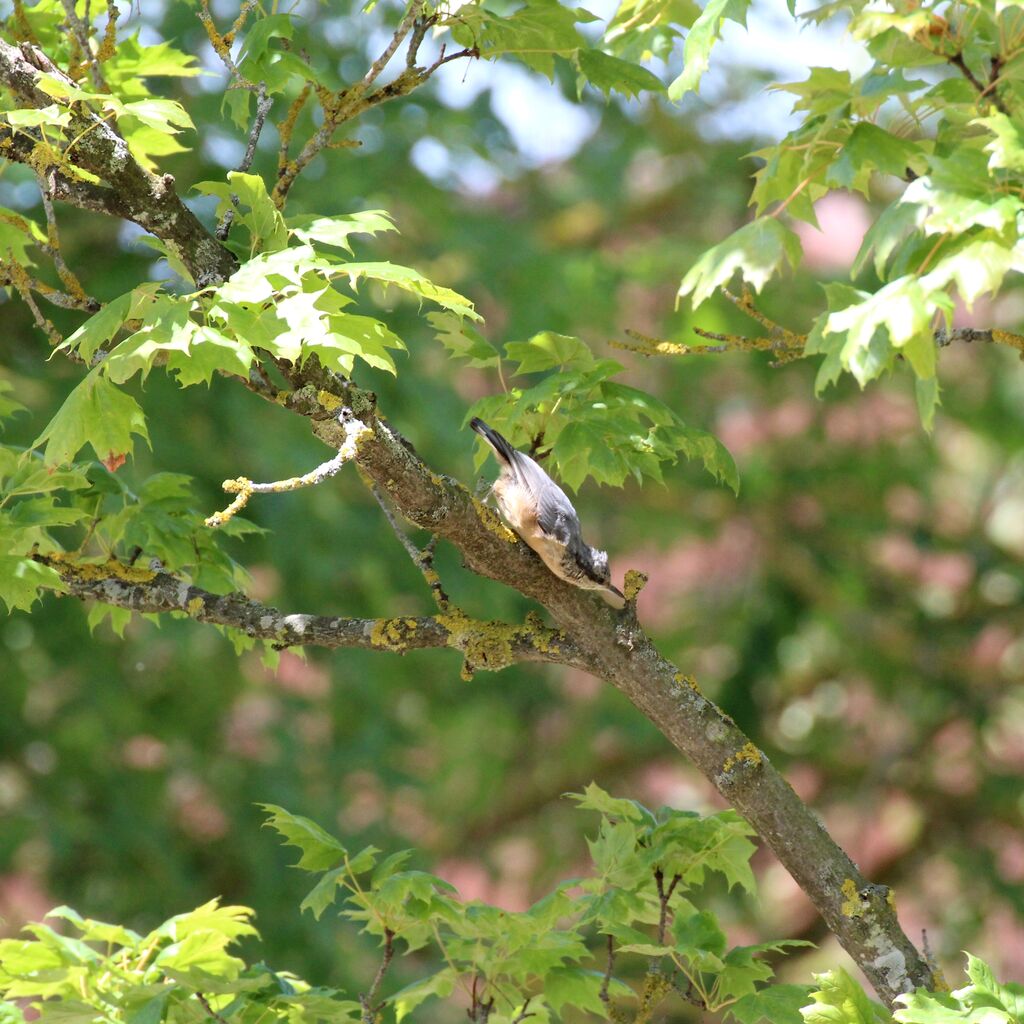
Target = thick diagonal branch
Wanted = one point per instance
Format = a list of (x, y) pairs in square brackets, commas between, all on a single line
[(614, 647), (93, 144), (486, 646)]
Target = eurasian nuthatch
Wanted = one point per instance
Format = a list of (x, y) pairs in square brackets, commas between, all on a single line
[(539, 511)]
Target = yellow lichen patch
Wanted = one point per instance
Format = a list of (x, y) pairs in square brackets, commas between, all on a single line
[(328, 401), (66, 564), (635, 582), (890, 898), (851, 904), (747, 754), (195, 606), (1006, 338), (390, 633), (681, 677), (493, 523)]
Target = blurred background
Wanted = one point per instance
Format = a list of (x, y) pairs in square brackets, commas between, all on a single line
[(857, 609)]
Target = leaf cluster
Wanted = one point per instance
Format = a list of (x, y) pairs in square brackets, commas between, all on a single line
[(931, 131), (577, 416), (638, 902)]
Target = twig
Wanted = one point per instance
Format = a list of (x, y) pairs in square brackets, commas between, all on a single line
[(419, 31), (339, 108), (607, 979), (239, 23), (423, 560), (220, 44), (263, 105), (246, 488), (76, 292), (370, 1011), (957, 60), (286, 127), (13, 272), (209, 1009), (151, 590), (80, 32), (404, 28), (523, 1014)]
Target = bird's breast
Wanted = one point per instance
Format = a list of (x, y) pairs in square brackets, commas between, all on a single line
[(518, 507)]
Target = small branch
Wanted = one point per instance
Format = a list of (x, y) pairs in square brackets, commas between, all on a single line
[(370, 1010), (220, 44), (286, 128), (404, 28), (52, 248), (16, 274), (263, 105), (338, 108), (206, 1004), (419, 32), (524, 1012), (664, 895), (423, 560), (245, 488), (80, 32), (129, 191), (603, 995), (493, 645)]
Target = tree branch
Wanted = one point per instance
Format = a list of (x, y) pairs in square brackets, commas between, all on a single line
[(487, 646), (791, 346), (860, 914), (423, 560), (368, 1001), (134, 193)]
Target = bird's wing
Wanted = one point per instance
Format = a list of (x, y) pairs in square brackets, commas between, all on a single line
[(555, 515)]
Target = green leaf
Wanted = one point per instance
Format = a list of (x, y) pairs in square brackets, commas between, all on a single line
[(698, 933), (594, 798), (228, 922), (411, 281), (927, 394), (701, 39), (612, 74), (324, 893), (440, 986), (548, 350), (977, 268), (923, 1007), (98, 931), (320, 850), (95, 413), (535, 33), (580, 989), (18, 234), (840, 1000), (164, 116), (757, 250), (1007, 148), (21, 580), (898, 314), (101, 327), (463, 340), (872, 147), (776, 1004), (336, 230), (247, 195), (99, 612)]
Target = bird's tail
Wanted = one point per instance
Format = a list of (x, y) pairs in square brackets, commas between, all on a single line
[(502, 449)]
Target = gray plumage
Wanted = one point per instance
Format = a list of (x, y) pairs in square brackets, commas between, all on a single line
[(542, 514)]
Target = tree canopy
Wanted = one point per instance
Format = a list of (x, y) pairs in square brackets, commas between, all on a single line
[(280, 206)]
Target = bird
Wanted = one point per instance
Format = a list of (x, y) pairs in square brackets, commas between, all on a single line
[(542, 514)]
